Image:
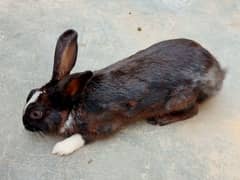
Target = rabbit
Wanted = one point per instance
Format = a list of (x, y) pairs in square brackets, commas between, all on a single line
[(162, 84)]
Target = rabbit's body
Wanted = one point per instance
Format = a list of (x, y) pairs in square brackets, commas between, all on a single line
[(144, 85), (163, 84), (151, 75)]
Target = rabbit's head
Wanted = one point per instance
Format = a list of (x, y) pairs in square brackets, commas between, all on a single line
[(47, 108)]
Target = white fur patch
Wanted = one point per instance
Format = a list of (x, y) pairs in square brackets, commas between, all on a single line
[(213, 81), (32, 99), (68, 124), (68, 145)]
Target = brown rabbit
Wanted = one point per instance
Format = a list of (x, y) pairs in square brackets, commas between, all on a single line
[(163, 84)]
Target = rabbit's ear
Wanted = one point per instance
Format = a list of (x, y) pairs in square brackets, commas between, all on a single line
[(73, 85), (65, 54)]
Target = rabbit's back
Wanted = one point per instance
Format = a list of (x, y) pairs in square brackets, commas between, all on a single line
[(148, 77)]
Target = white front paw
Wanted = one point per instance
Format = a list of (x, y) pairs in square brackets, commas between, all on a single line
[(69, 145)]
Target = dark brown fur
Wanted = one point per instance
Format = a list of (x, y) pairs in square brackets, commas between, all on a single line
[(164, 83), (152, 84)]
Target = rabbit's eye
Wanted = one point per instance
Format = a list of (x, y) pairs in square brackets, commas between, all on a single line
[(36, 114)]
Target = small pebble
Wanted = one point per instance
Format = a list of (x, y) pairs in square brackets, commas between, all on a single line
[(90, 161)]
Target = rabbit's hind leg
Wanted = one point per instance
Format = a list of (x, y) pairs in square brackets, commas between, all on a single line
[(174, 117), (180, 106)]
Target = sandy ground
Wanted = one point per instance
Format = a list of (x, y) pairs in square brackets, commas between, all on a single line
[(204, 147)]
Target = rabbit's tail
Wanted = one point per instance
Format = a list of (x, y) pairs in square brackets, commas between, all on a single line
[(212, 82)]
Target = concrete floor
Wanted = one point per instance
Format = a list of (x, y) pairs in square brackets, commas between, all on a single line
[(204, 147)]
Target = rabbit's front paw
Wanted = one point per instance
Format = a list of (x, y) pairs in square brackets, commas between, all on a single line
[(68, 145)]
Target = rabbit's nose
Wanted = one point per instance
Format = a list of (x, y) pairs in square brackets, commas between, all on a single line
[(28, 125)]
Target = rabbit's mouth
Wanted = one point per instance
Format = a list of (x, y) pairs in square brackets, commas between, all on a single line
[(35, 127)]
